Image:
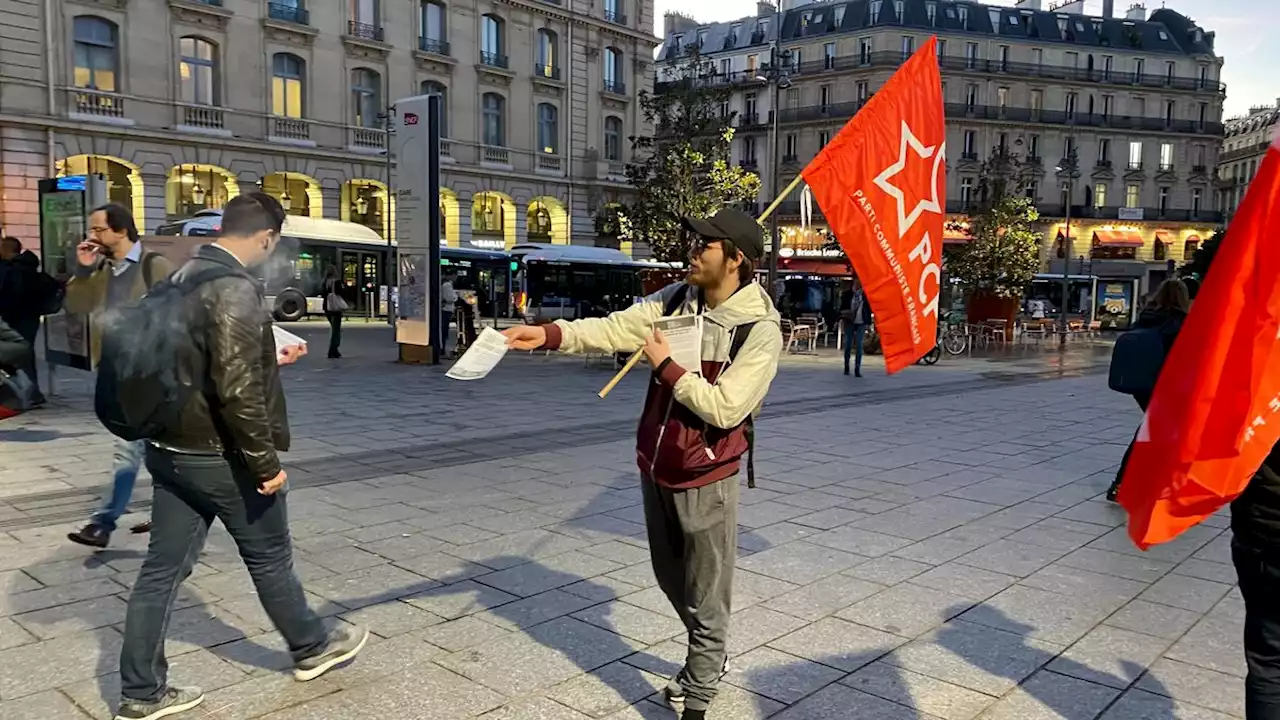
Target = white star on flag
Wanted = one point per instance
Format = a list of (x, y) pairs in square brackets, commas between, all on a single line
[(905, 220)]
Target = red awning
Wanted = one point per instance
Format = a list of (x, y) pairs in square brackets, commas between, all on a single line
[(830, 268), (954, 237), (1117, 238), (1164, 236), (1193, 239)]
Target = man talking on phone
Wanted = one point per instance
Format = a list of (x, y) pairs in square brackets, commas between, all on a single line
[(694, 429), (111, 269)]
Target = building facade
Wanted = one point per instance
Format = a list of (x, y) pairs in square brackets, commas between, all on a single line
[(184, 104), (1136, 99), (1246, 142)]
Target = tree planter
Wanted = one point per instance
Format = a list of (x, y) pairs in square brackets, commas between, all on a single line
[(983, 306)]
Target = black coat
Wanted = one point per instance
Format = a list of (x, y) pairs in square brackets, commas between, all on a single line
[(13, 348), (1255, 515)]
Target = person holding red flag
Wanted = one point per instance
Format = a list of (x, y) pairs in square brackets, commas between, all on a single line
[(1210, 435), (880, 183)]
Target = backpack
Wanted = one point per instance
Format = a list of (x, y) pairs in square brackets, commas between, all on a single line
[(150, 363), (48, 294), (740, 335), (1136, 361)]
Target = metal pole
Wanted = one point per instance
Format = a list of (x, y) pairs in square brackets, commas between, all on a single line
[(776, 77), (1066, 261), (389, 220), (438, 336)]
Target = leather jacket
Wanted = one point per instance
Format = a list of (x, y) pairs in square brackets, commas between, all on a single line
[(238, 407)]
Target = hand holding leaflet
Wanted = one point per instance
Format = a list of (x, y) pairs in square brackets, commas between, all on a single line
[(683, 334), (289, 347), (481, 358)]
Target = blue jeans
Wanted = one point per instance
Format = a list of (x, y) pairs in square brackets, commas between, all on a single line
[(853, 336), (190, 492), (124, 472)]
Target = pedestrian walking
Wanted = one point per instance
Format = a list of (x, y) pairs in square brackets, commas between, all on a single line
[(1164, 313), (695, 427), (1255, 551), (26, 295), (218, 460), (448, 305), (112, 269), (334, 306), (854, 314)]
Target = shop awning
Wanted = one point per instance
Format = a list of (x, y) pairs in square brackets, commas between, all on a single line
[(954, 237), (830, 268), (1117, 238), (1193, 239), (1164, 236)]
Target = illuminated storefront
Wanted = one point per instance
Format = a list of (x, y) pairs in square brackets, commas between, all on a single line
[(1122, 251)]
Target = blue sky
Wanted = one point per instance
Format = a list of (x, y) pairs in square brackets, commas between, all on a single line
[(1242, 28)]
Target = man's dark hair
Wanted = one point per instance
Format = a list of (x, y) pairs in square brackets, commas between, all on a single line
[(119, 219), (747, 268), (252, 213), (12, 243)]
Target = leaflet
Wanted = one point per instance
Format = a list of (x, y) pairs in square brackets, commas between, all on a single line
[(481, 358), (285, 339), (684, 335)]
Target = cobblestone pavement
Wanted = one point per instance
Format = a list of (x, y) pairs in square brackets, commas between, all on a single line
[(931, 545)]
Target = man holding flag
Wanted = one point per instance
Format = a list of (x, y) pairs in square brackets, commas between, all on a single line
[(1210, 434)]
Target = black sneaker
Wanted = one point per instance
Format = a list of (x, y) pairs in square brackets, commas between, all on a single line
[(343, 646), (1114, 490), (93, 535), (673, 693), (693, 715), (141, 528), (174, 701)]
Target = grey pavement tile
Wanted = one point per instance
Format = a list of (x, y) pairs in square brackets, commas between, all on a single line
[(756, 626), (837, 702), (800, 562), (33, 600), (1132, 567), (442, 568), (459, 534), (813, 500), (98, 697), (763, 538), (535, 609), (598, 528), (607, 689), (383, 659), (12, 635), (778, 675), (392, 618), (664, 659), (400, 547), (16, 581), (536, 708), (888, 570), (753, 588), (600, 589), (972, 656), (1177, 550), (1011, 557), (1110, 656), (1213, 643), (619, 552), (202, 626), (513, 522), (536, 577), (906, 609), (69, 571), (838, 643), (823, 597), (1049, 696), (1058, 538), (1068, 580), (950, 545), (639, 575), (859, 541), (400, 696), (1206, 570), (73, 617), (1142, 705), (645, 710), (454, 601), (869, 505), (1218, 549), (41, 706), (1185, 592), (462, 633), (345, 560), (655, 600), (1161, 621), (632, 621), (516, 548), (370, 586), (261, 654), (1196, 685), (971, 582), (1047, 616), (767, 513), (922, 693), (1095, 511), (32, 668)]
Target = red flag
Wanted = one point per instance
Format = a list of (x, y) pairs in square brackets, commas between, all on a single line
[(881, 185), (1215, 414)]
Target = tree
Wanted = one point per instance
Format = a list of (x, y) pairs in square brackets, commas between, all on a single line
[(684, 168), (1198, 266), (1002, 255)]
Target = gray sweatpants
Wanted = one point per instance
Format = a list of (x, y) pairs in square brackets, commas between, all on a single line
[(693, 540)]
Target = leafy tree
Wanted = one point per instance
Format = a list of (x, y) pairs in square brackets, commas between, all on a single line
[(1002, 255), (684, 168), (1198, 266)]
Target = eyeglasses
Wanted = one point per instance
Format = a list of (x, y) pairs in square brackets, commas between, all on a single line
[(99, 229)]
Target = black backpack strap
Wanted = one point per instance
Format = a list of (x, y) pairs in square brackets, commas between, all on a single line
[(676, 300), (740, 335)]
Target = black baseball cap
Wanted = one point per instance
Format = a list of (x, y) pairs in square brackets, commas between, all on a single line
[(733, 225)]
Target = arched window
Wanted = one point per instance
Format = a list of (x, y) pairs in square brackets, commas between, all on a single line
[(366, 97), (433, 33), (495, 121), (613, 71), (493, 45), (198, 71), (612, 138), (486, 214), (431, 87), (547, 60), (97, 53), (539, 222), (288, 74), (548, 129)]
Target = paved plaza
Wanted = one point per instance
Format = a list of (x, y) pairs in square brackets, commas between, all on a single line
[(931, 545)]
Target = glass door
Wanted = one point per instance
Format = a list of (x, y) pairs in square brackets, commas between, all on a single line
[(361, 276)]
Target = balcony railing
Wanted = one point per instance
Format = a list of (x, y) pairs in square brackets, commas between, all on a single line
[(1090, 212), (206, 117), (364, 31), (973, 156), (432, 45), (97, 104), (1058, 117), (715, 79), (1165, 167), (288, 13), (617, 87), (748, 163), (493, 59), (550, 72), (1102, 165), (215, 3), (368, 138), (1134, 166), (1246, 151), (550, 164), (493, 154), (748, 119), (615, 17), (290, 128)]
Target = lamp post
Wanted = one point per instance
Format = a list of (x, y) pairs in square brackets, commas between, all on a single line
[(776, 74), (1067, 167)]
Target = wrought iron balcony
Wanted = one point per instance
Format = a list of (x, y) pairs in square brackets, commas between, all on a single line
[(432, 45), (550, 72), (364, 31), (288, 13), (615, 17), (616, 87), (493, 59)]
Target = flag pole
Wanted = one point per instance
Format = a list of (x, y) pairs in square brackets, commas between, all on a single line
[(635, 356)]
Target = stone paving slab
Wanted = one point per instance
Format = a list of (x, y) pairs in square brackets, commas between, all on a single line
[(928, 546)]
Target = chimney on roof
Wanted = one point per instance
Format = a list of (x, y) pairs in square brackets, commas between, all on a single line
[(765, 8), (1137, 11), (674, 22), (1108, 8)]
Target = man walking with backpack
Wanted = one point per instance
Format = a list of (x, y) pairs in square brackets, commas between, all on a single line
[(206, 394), (695, 427)]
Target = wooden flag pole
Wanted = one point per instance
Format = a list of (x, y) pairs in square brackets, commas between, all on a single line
[(635, 356)]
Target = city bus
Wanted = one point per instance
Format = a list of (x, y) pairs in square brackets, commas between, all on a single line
[(571, 281)]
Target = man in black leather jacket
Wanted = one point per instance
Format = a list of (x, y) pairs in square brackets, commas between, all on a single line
[(220, 462), (1255, 549)]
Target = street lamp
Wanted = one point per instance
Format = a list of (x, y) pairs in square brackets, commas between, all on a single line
[(1070, 168), (777, 75)]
